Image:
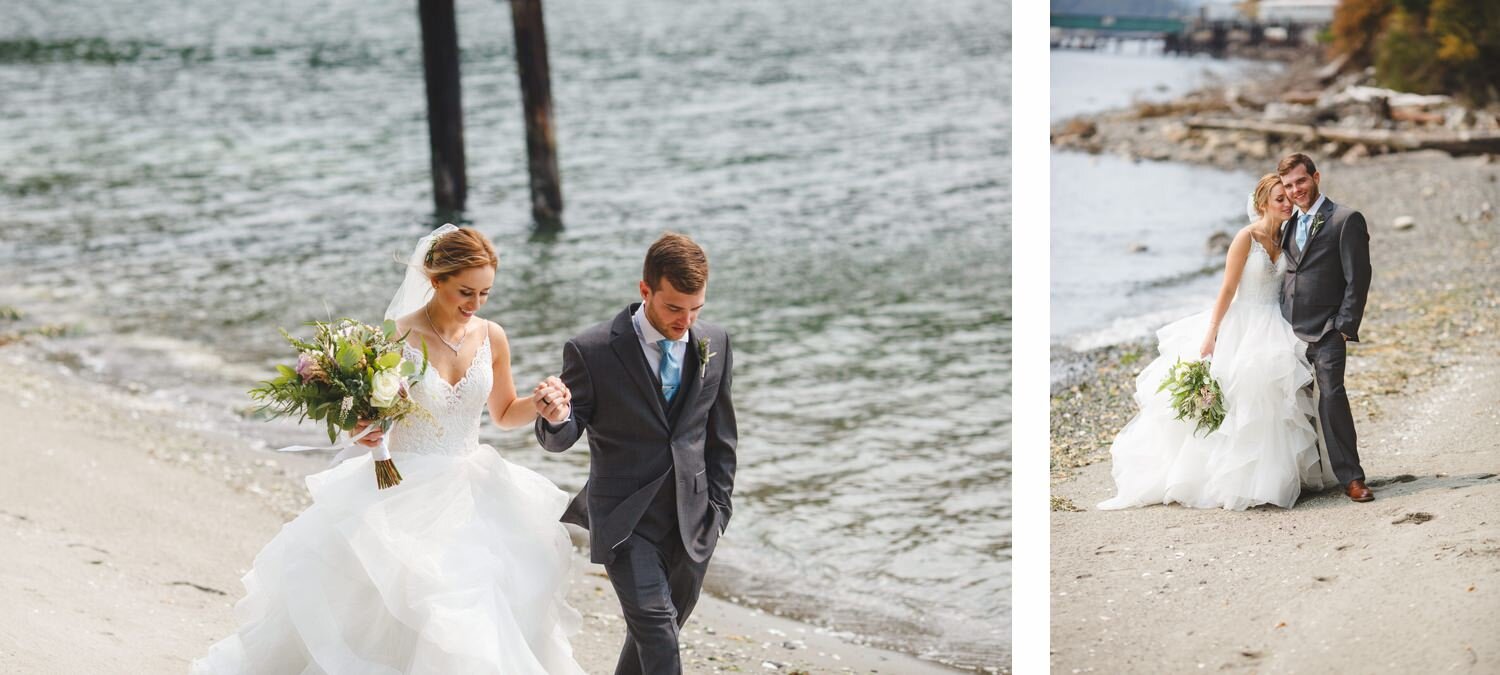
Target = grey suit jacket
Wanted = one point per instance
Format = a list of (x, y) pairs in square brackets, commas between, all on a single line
[(634, 446), (1326, 285)]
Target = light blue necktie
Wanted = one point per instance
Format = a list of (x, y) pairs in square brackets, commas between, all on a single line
[(670, 370), (1302, 231)]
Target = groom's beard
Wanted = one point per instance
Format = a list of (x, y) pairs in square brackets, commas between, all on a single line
[(663, 327), (1312, 198)]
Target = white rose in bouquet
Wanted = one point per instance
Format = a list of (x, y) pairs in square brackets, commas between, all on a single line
[(385, 387)]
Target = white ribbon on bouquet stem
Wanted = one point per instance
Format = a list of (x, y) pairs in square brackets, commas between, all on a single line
[(348, 449)]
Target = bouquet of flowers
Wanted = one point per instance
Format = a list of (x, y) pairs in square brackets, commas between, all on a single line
[(1196, 395), (349, 371)]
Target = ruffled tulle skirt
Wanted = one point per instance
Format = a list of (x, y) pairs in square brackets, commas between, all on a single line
[(462, 568), (1265, 450)]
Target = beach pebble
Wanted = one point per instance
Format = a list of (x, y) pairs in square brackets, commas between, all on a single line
[(1459, 117), (1256, 148), (1176, 132), (1078, 127), (1404, 223)]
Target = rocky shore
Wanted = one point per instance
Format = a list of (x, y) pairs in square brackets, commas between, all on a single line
[(1434, 299), (1301, 106)]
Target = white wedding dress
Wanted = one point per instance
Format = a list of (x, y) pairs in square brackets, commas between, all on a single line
[(1267, 447), (462, 568)]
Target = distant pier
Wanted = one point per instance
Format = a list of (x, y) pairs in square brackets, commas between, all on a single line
[(1188, 36)]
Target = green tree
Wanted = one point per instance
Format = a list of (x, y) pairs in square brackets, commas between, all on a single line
[(1425, 46)]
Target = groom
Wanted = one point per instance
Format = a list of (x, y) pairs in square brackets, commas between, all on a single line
[(1323, 297), (651, 388)]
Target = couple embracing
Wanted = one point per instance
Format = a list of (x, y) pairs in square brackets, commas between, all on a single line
[(464, 566), (1295, 283)]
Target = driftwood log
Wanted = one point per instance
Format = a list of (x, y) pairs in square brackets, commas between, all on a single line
[(1453, 142)]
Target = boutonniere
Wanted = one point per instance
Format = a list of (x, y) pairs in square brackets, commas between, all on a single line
[(704, 356), (1316, 223)]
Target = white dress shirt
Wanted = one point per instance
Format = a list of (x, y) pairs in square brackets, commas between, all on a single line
[(650, 341), (1313, 210)]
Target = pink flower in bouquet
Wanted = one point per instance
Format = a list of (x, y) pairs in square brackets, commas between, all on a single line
[(309, 370), (303, 362)]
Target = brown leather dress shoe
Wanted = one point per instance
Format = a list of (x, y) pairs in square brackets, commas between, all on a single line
[(1358, 492)]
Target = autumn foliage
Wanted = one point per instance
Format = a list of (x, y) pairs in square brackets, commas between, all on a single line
[(1425, 46)]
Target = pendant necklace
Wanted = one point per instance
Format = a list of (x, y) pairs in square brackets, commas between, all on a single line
[(439, 334)]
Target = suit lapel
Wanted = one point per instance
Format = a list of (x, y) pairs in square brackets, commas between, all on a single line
[(627, 347), (1289, 239), (1325, 212)]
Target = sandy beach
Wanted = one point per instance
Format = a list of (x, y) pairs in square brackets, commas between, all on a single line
[(126, 527), (1407, 583)]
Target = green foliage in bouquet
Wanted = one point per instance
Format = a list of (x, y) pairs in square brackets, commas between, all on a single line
[(1196, 396), (347, 372)]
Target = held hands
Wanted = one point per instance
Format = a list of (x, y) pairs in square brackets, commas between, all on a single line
[(1207, 349), (371, 439), (553, 400)]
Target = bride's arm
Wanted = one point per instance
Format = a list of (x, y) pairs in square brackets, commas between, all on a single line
[(508, 410), (1234, 266)]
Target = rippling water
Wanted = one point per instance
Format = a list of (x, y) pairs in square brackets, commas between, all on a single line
[(179, 180), (1106, 208)]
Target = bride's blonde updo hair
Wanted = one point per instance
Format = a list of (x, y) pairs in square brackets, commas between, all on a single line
[(1263, 192), (457, 251)]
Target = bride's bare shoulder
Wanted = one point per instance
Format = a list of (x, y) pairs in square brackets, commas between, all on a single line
[(410, 326), (499, 343)]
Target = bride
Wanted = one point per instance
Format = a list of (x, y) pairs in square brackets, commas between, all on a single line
[(1266, 448), (463, 567)]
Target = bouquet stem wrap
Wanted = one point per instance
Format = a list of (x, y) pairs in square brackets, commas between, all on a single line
[(386, 474)]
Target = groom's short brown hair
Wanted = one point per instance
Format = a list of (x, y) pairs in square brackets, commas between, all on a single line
[(680, 260), (1291, 161)]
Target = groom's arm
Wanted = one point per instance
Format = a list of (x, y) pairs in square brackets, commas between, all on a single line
[(720, 441), (1354, 254), (575, 374)]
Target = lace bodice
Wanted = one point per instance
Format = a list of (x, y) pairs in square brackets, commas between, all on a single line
[(1261, 280), (455, 409)]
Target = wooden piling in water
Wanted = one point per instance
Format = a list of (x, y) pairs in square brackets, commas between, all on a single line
[(445, 120), (536, 98)]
